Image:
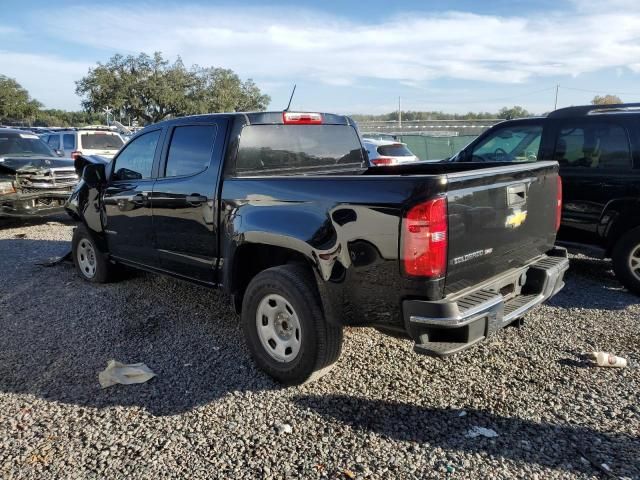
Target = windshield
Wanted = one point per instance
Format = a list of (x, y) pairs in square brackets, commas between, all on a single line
[(23, 145), (101, 141)]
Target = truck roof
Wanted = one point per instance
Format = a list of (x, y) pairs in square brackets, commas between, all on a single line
[(266, 118)]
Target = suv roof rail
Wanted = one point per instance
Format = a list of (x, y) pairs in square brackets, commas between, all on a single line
[(584, 110)]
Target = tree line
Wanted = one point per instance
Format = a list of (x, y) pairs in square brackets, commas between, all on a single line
[(410, 115), (505, 113)]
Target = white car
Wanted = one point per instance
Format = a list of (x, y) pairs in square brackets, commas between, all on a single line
[(84, 141), (387, 152)]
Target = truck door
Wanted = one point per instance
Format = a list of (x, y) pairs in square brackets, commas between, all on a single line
[(596, 166), (128, 222), (185, 208)]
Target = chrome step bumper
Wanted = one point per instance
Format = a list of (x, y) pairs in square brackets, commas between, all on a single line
[(454, 324)]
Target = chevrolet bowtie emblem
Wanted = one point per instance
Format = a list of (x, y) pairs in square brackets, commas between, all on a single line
[(516, 219)]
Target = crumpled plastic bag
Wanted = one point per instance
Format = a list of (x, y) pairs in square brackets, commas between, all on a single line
[(125, 374)]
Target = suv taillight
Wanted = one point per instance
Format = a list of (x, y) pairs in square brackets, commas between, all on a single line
[(75, 154), (383, 161), (558, 203), (424, 239)]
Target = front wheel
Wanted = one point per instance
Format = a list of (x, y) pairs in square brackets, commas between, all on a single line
[(90, 262), (284, 326), (626, 260)]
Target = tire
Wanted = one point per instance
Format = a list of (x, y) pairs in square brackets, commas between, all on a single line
[(626, 260), (284, 326), (90, 262)]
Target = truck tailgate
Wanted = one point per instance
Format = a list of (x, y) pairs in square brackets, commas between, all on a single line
[(499, 219)]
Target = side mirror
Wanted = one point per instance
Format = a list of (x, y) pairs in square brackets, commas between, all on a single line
[(94, 174), (459, 157), (60, 153)]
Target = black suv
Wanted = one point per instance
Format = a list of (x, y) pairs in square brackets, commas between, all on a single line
[(598, 149)]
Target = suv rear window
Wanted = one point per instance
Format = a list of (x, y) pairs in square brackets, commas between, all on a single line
[(395, 150), (101, 141), (291, 149)]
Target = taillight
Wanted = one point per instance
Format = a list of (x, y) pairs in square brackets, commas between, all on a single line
[(424, 239), (383, 161), (302, 118), (558, 203), (75, 154)]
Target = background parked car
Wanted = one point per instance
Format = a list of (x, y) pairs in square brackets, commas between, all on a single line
[(33, 180), (598, 149), (84, 141), (387, 152)]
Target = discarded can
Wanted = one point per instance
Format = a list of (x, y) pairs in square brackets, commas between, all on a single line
[(604, 359)]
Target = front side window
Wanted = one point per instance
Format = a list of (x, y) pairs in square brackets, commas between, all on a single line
[(509, 144), (54, 141), (289, 149), (190, 150), (136, 160), (593, 145)]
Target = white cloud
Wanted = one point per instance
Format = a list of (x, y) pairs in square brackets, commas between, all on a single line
[(275, 44), (48, 79)]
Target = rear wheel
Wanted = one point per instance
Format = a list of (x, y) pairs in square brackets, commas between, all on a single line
[(284, 327), (626, 260), (90, 262)]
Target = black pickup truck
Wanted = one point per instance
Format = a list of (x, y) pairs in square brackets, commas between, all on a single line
[(598, 150), (280, 210)]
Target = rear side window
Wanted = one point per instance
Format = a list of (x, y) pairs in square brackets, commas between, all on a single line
[(136, 160), (593, 145), (291, 149), (54, 141), (68, 141), (101, 141), (395, 150), (190, 150)]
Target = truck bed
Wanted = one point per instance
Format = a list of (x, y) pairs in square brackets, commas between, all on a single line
[(349, 224)]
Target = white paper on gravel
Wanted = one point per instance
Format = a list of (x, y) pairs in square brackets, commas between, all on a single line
[(481, 432), (125, 374)]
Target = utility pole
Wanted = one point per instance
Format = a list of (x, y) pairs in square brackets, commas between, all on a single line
[(555, 105), (399, 114)]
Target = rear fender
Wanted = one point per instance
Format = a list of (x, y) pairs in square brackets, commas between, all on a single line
[(618, 217)]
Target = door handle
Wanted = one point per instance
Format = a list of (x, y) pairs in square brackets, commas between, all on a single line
[(138, 199), (196, 199)]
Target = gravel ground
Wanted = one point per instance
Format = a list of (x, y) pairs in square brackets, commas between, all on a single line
[(383, 412)]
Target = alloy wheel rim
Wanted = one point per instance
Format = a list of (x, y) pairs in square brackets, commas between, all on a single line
[(86, 258), (634, 262), (278, 328)]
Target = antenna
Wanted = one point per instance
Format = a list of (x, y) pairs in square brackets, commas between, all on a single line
[(290, 98)]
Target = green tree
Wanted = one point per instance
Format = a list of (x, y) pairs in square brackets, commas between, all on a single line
[(513, 112), (605, 100), (150, 89), (15, 102)]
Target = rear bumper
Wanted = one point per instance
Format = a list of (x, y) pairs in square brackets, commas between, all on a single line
[(454, 324)]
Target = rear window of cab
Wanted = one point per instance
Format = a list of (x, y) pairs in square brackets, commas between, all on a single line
[(296, 149), (101, 141)]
